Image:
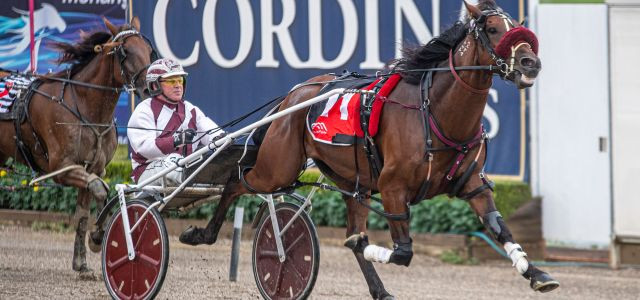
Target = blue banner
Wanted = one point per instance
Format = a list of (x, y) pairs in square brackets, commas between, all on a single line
[(55, 21), (243, 53)]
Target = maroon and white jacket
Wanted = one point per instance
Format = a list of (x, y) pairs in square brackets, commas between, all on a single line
[(150, 145)]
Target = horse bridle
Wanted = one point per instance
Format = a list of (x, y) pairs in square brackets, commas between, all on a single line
[(121, 55), (477, 28)]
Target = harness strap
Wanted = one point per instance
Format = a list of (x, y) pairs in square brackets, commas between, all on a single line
[(462, 148), (488, 184), (459, 80)]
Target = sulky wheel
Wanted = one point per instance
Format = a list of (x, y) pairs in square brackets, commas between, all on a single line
[(294, 278), (142, 277)]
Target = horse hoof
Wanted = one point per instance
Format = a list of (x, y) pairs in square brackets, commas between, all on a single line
[(357, 242), (98, 189), (86, 274), (543, 283), (387, 297), (95, 242), (195, 236)]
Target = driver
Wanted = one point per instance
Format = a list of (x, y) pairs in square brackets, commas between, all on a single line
[(163, 128)]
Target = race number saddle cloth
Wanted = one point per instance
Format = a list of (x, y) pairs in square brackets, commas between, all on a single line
[(338, 120), (13, 91)]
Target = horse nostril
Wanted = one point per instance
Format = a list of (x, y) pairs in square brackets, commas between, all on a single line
[(528, 62)]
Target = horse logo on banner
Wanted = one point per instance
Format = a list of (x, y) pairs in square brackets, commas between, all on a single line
[(16, 38)]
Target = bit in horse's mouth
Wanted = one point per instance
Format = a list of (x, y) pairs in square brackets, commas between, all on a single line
[(527, 80)]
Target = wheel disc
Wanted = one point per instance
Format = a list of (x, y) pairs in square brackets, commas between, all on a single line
[(138, 278), (296, 275)]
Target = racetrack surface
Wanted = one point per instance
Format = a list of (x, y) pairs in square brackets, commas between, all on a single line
[(37, 265)]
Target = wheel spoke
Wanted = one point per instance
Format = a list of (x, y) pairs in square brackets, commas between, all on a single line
[(149, 261), (268, 253), (297, 274), (279, 278), (141, 228), (114, 265), (298, 239)]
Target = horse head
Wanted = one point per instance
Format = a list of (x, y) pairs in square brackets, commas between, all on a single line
[(505, 43), (134, 54)]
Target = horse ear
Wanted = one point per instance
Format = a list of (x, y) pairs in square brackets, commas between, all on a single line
[(473, 10), (135, 22), (110, 26)]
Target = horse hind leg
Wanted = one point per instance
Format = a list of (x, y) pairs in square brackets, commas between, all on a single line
[(484, 207), (81, 219), (357, 241), (197, 236)]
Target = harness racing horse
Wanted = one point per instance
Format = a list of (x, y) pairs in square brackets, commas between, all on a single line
[(442, 92), (66, 127)]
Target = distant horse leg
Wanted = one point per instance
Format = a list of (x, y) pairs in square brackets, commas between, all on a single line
[(88, 185), (95, 236), (485, 208), (357, 241), (81, 218), (196, 236)]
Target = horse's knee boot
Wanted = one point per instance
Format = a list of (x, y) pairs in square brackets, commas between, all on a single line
[(98, 187), (402, 254), (494, 223)]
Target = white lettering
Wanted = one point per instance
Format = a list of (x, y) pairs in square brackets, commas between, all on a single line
[(435, 17), (210, 39), (268, 30), (160, 35), (372, 37), (491, 115), (349, 39), (408, 9)]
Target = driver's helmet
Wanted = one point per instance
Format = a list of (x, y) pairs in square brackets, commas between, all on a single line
[(163, 68)]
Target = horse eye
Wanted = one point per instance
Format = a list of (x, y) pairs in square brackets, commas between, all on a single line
[(492, 30)]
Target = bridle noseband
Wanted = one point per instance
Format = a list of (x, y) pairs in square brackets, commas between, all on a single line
[(506, 66), (121, 55)]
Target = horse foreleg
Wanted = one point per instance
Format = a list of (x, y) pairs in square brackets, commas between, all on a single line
[(81, 219), (394, 200), (82, 180), (357, 241), (95, 236), (209, 235), (485, 208)]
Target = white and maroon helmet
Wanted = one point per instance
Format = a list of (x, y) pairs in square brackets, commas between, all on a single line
[(162, 68)]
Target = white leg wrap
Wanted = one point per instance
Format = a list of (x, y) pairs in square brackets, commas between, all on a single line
[(518, 257), (377, 254)]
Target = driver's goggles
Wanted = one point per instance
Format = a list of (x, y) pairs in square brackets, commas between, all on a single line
[(173, 81)]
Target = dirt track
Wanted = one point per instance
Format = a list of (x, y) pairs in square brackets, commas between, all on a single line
[(37, 265)]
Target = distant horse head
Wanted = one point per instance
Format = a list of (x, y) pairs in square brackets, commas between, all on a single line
[(127, 50)]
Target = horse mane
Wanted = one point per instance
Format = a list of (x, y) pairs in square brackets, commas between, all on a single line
[(82, 52), (429, 55)]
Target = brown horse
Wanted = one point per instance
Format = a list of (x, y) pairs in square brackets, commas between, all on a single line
[(415, 166), (62, 128)]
